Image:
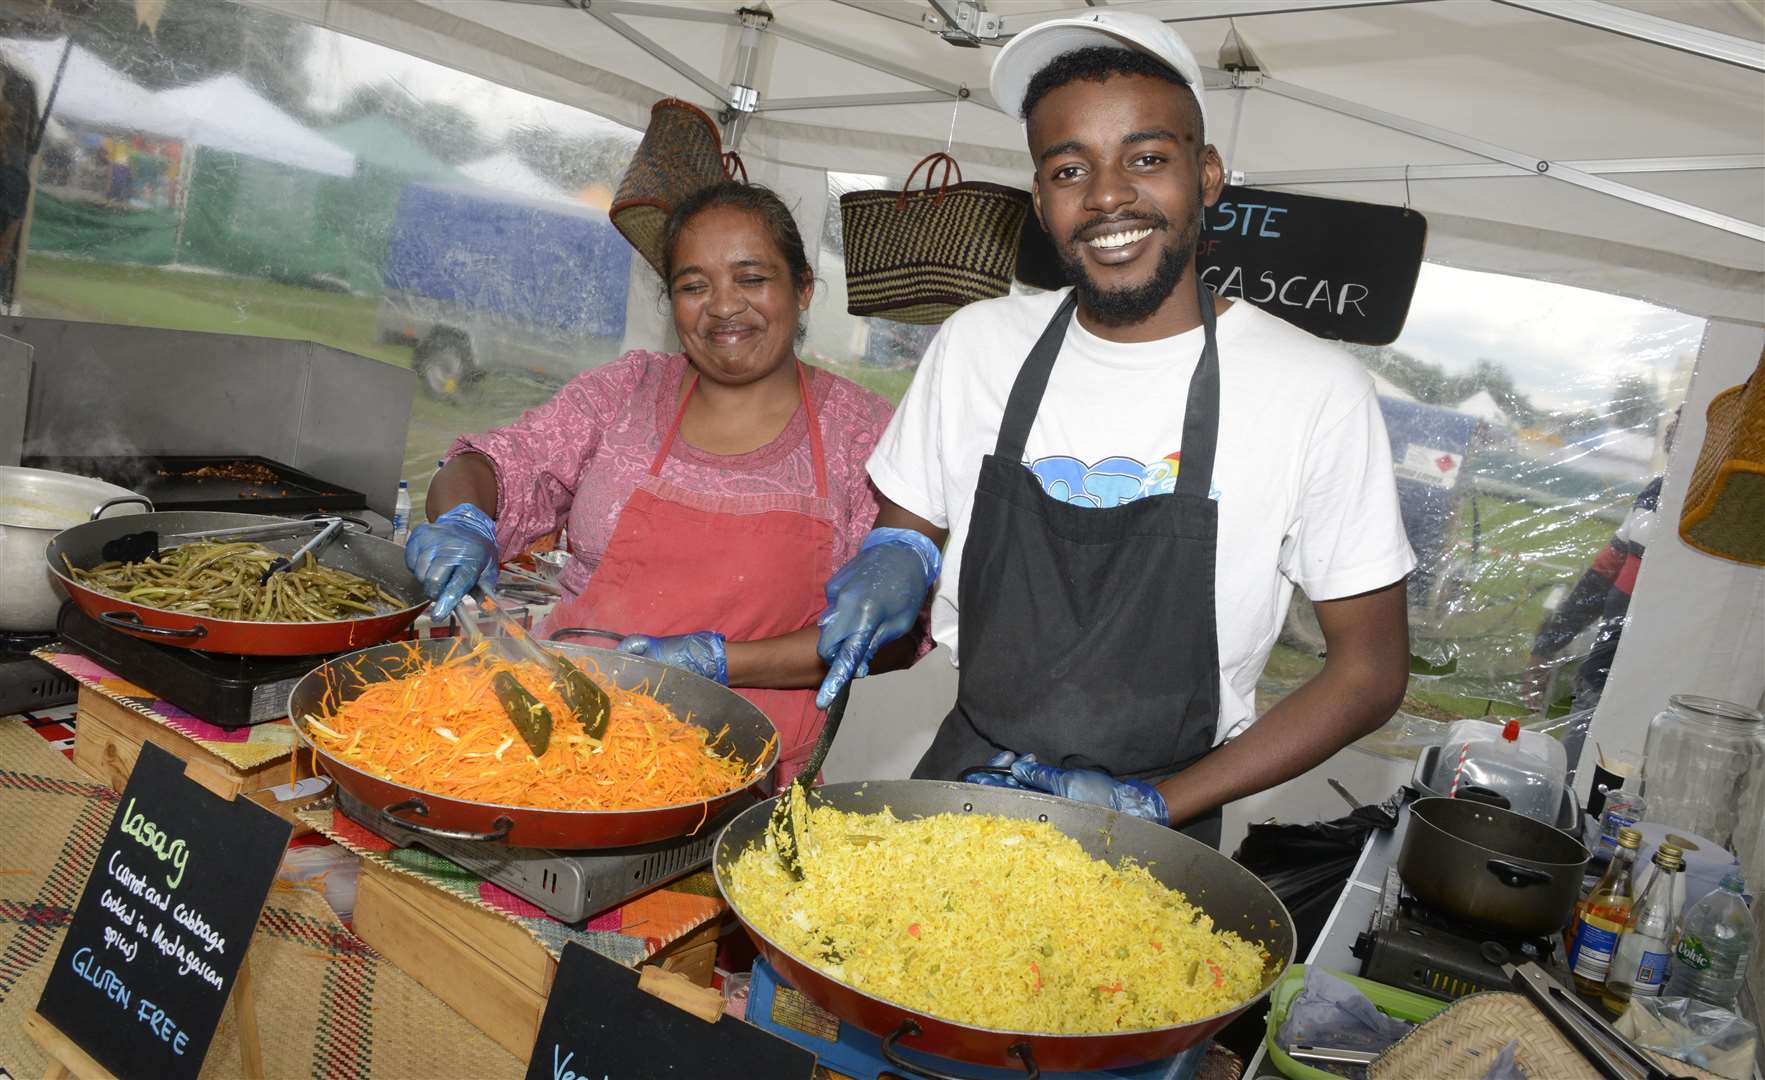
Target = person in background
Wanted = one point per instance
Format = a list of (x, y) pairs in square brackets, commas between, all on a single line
[(1132, 475), (708, 494), (18, 137)]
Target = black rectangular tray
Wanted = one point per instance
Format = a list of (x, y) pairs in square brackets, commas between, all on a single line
[(163, 478), (227, 691)]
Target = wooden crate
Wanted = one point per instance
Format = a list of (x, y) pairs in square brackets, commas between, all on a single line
[(108, 737), (489, 970)]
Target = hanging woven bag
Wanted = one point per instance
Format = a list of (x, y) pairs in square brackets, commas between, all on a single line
[(1724, 511), (681, 152), (917, 256)]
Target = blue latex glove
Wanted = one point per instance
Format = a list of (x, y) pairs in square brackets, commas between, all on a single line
[(701, 653), (1134, 797), (873, 600), (1002, 760), (451, 554)]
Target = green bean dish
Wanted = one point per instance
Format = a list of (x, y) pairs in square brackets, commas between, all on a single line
[(221, 581)]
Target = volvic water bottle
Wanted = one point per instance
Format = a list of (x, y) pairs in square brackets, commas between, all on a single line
[(401, 513), (1715, 941)]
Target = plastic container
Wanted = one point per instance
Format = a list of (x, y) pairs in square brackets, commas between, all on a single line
[(1389, 1000), (1715, 942), (1528, 772), (401, 513), (1703, 770)]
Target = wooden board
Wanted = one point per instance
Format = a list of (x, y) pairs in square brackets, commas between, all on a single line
[(108, 739), (489, 970)]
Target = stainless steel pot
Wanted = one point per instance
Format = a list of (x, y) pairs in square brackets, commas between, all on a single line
[(35, 504), (1497, 869)]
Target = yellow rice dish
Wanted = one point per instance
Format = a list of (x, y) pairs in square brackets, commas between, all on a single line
[(994, 922)]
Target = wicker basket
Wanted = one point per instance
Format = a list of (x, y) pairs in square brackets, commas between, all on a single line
[(681, 152), (917, 256), (1724, 511)]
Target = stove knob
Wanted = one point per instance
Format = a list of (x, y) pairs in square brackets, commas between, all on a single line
[(1494, 952)]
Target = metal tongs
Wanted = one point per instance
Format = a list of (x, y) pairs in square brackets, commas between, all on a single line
[(141, 546), (790, 809), (588, 703), (1614, 1056), (532, 720), (288, 562)]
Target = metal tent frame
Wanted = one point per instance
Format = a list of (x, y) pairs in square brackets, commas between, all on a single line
[(968, 23)]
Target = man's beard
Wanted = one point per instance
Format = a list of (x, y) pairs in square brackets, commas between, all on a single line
[(1131, 303)]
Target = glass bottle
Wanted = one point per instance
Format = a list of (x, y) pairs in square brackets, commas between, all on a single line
[(1600, 918), (1703, 771), (1639, 967)]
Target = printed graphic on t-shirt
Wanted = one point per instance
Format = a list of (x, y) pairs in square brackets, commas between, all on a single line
[(1110, 482)]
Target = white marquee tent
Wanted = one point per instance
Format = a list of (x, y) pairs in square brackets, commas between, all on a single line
[(1617, 145)]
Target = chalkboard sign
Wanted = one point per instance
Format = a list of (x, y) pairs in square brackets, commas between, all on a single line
[(599, 1026), (163, 925), (1338, 269)]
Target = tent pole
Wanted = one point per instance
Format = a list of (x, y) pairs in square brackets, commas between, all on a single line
[(655, 49), (1596, 166), (187, 175), (1651, 28), (1542, 166)]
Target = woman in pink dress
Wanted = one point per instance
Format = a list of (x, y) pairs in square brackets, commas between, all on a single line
[(708, 495)]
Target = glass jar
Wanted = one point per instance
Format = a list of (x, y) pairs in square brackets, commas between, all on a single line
[(1703, 770)]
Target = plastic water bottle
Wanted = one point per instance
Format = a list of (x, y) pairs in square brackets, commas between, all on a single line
[(1715, 941), (401, 513)]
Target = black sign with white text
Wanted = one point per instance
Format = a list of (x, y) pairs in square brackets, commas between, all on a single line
[(1337, 269), (164, 923), (599, 1026)]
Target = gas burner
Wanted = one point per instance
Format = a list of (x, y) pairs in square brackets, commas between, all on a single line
[(570, 886), (23, 644), (1411, 946), (227, 691)]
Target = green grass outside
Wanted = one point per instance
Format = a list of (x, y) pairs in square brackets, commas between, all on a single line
[(1523, 551)]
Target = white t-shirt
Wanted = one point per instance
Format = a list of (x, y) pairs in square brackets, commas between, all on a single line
[(1302, 473)]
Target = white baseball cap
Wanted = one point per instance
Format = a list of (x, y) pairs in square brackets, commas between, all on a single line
[(1034, 49)]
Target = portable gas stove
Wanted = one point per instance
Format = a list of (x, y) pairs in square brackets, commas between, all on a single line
[(224, 690), (1407, 945), (570, 886), (28, 683), (851, 1051)]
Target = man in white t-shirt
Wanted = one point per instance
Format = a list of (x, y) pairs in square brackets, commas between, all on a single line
[(1126, 525)]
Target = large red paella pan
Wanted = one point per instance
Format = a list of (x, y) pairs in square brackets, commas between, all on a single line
[(1233, 896)]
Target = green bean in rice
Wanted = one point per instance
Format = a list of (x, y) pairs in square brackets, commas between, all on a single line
[(994, 922)]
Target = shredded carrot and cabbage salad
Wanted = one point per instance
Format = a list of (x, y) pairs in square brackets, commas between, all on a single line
[(439, 728), (995, 922)]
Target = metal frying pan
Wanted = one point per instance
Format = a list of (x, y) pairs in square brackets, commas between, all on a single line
[(380, 561), (695, 700), (1232, 895)]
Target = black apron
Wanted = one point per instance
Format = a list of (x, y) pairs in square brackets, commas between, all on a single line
[(1087, 634)]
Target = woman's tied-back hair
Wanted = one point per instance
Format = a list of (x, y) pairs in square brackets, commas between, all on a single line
[(760, 201)]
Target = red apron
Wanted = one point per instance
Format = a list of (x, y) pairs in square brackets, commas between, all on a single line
[(747, 566)]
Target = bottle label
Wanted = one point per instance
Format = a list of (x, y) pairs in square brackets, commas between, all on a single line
[(1651, 972), (1692, 954), (1594, 946)]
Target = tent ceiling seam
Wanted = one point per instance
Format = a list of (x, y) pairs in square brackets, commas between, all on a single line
[(1595, 166)]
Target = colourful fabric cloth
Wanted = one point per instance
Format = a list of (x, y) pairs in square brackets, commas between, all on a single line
[(245, 748), (576, 459), (629, 934)]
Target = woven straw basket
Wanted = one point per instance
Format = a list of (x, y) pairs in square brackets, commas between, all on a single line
[(1724, 511), (917, 256), (681, 152)]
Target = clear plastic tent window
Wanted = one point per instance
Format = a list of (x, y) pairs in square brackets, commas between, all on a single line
[(240, 172)]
